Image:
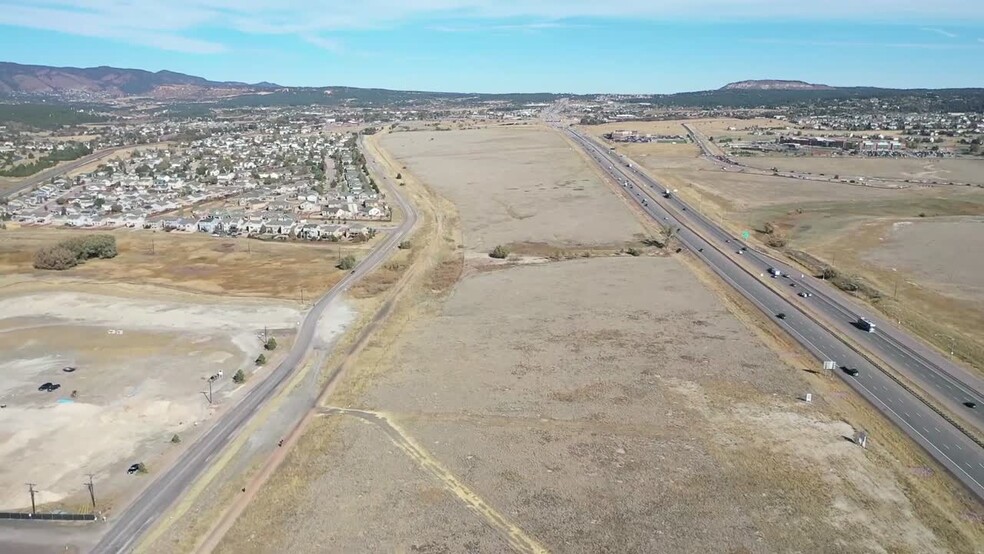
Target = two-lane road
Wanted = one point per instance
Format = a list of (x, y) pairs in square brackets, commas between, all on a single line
[(942, 440), (136, 518)]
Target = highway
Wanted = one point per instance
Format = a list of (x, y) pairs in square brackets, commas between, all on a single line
[(134, 520), (808, 325)]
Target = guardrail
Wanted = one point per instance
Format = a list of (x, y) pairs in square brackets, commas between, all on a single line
[(27, 516)]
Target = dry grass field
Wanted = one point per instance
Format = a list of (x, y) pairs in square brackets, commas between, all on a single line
[(593, 405), (187, 262), (557, 404), (515, 185)]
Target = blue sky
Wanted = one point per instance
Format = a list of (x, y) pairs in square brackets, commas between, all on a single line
[(625, 46)]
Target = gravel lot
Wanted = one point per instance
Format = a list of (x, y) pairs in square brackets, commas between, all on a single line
[(141, 369), (516, 184), (602, 405)]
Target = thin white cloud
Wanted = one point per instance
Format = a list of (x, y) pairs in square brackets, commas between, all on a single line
[(175, 24), (866, 44), (329, 44), (941, 32)]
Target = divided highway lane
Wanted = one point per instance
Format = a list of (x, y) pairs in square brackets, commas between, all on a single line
[(135, 519), (945, 443), (947, 382)]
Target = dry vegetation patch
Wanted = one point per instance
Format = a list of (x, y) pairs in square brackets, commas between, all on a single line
[(189, 262)]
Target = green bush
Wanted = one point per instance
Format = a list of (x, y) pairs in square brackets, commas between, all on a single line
[(346, 263), (405, 245), (79, 249), (260, 360), (499, 252), (239, 378), (633, 252), (55, 257), (176, 439), (271, 344)]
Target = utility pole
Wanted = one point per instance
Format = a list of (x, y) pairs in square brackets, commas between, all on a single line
[(30, 488), (92, 495)]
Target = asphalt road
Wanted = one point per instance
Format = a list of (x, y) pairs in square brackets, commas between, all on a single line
[(34, 180), (135, 519), (747, 273)]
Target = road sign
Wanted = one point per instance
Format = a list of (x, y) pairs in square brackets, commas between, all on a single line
[(829, 365), (745, 235)]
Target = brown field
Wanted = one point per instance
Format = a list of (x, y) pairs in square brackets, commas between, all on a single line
[(627, 417), (515, 184), (187, 262), (594, 405)]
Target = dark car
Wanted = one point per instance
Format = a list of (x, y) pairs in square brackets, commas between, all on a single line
[(970, 404), (69, 369), (133, 469), (852, 371), (45, 387), (781, 315), (54, 387)]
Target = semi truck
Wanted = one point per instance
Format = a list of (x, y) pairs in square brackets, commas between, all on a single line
[(865, 325)]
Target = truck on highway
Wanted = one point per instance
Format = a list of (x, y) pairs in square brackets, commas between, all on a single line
[(667, 193), (865, 325), (775, 272)]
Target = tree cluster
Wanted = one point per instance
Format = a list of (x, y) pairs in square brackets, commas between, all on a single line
[(69, 253)]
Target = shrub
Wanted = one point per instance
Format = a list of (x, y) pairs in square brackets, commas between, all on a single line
[(239, 378), (260, 360), (346, 263), (79, 249), (634, 252), (271, 344), (499, 252), (55, 257), (776, 241), (769, 228), (176, 439), (405, 245), (828, 273)]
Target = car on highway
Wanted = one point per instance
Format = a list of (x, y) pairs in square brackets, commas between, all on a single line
[(805, 294), (970, 404), (45, 387), (852, 371), (781, 315)]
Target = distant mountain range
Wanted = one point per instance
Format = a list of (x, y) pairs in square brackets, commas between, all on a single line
[(25, 84), (773, 84), (111, 82)]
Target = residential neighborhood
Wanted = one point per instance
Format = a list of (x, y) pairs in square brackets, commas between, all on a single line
[(275, 180)]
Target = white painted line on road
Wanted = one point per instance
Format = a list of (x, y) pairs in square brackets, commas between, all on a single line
[(960, 447)]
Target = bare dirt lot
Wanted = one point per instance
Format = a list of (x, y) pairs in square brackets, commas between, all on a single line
[(514, 185), (141, 367), (188, 262), (936, 252), (588, 406)]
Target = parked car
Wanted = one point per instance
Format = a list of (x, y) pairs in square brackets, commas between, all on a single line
[(133, 469), (45, 387), (69, 369)]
